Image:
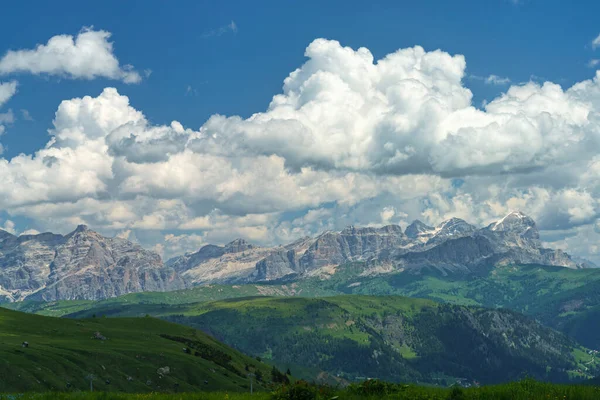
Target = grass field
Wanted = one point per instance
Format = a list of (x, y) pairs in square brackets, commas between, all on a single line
[(524, 390), (564, 299), (122, 354)]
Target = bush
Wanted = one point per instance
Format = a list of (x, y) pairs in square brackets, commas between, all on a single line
[(457, 394), (300, 390), (372, 387)]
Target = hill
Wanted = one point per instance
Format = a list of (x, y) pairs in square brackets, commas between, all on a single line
[(565, 299), (123, 354), (391, 338)]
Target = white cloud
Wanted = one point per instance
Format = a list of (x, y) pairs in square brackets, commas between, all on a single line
[(181, 244), (5, 118), (9, 226), (26, 115), (593, 63), (596, 42), (350, 140), (497, 80), (30, 232), (230, 27), (7, 90), (89, 55)]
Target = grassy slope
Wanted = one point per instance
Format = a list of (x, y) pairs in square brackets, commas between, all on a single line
[(412, 339), (565, 299), (194, 295), (62, 353)]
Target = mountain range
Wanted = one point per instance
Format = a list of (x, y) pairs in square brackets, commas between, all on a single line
[(454, 246), (86, 265), (80, 265)]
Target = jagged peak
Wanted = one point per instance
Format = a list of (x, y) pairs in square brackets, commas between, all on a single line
[(237, 242), (515, 220), (238, 245), (81, 228), (452, 222), (84, 230), (353, 229), (416, 227)]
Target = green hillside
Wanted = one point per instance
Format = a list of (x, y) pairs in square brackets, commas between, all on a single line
[(123, 354), (562, 298), (193, 295), (392, 338)]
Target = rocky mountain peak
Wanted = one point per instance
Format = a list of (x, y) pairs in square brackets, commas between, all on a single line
[(454, 226), (5, 235), (516, 223), (80, 265), (237, 246), (416, 228), (513, 220), (368, 230), (81, 228)]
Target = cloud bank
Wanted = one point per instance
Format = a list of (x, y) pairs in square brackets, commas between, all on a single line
[(348, 140)]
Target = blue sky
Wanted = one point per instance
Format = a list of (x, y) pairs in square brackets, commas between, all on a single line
[(238, 73), (201, 58)]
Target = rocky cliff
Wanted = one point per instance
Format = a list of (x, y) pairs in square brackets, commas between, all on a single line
[(454, 246), (86, 265), (80, 265)]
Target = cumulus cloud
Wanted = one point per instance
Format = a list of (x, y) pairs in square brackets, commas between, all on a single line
[(89, 55), (349, 140)]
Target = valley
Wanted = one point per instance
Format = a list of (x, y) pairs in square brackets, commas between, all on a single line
[(354, 337)]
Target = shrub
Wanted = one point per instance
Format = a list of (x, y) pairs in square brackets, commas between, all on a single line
[(372, 387), (457, 394), (299, 390)]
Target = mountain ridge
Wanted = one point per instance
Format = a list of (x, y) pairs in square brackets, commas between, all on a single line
[(79, 265), (86, 265), (453, 246)]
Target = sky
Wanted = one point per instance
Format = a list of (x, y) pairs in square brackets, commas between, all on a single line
[(181, 124)]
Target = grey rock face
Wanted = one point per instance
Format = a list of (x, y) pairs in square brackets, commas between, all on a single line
[(237, 246), (86, 265), (351, 244), (456, 255), (460, 247), (188, 261), (454, 246), (417, 228), (80, 265), (277, 265)]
